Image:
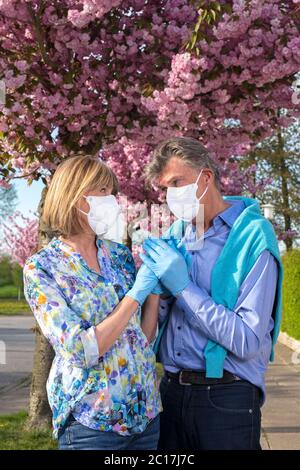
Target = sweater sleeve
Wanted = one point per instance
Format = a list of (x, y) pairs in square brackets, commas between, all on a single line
[(242, 329)]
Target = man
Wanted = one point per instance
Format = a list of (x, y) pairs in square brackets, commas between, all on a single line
[(224, 312)]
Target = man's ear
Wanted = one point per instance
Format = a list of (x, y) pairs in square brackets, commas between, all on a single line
[(209, 176)]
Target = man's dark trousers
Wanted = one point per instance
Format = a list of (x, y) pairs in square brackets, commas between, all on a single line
[(210, 417)]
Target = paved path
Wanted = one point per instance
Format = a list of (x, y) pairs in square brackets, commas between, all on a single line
[(15, 374), (281, 412)]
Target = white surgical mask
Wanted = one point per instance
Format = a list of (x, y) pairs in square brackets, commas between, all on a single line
[(183, 201), (103, 214)]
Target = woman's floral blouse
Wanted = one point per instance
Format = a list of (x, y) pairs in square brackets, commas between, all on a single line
[(117, 391)]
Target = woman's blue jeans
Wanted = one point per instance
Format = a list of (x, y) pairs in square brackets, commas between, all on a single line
[(75, 436)]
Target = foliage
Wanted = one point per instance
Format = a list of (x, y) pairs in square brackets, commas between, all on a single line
[(277, 167), (115, 76), (8, 201), (291, 293)]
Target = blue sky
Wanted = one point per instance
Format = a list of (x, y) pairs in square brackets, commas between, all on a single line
[(28, 201), (28, 196)]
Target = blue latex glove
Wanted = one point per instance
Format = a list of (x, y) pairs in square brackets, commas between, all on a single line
[(144, 284), (159, 289), (176, 244), (167, 263)]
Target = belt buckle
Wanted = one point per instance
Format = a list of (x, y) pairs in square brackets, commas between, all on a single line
[(180, 378)]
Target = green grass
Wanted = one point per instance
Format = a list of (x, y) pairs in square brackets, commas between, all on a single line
[(291, 293), (14, 307), (14, 437), (9, 303), (9, 292)]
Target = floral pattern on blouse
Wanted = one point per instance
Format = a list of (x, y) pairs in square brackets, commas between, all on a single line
[(115, 392)]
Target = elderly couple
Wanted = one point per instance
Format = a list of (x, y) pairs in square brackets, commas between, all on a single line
[(213, 299)]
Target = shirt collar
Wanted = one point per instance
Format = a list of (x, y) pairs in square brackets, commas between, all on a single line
[(232, 212), (228, 217), (68, 248)]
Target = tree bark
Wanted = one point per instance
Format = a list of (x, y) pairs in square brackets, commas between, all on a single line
[(285, 190), (40, 415)]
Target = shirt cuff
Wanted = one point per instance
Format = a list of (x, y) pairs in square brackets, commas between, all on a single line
[(191, 299), (90, 346)]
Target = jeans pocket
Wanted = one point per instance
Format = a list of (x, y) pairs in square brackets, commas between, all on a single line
[(238, 398)]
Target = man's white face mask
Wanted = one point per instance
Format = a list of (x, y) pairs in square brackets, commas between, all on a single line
[(103, 215), (183, 201)]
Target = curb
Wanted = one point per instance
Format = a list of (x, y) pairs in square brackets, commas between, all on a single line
[(288, 341)]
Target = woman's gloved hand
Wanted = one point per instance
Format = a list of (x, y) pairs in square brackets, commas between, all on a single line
[(167, 263), (144, 284)]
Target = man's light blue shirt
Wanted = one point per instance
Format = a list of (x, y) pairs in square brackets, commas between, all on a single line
[(244, 331)]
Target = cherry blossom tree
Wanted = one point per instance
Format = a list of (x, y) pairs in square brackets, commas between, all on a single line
[(20, 237), (118, 77)]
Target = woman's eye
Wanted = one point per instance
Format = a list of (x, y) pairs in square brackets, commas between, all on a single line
[(103, 190)]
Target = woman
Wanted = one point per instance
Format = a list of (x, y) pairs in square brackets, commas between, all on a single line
[(81, 287)]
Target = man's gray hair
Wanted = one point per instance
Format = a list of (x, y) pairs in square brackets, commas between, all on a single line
[(189, 150)]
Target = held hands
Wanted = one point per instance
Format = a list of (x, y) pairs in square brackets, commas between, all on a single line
[(160, 289), (178, 245), (147, 281), (167, 263)]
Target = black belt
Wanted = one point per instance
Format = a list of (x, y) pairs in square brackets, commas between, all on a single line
[(194, 377)]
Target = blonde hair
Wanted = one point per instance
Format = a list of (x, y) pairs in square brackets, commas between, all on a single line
[(71, 180)]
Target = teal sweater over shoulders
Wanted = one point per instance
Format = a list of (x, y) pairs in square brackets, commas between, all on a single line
[(249, 236)]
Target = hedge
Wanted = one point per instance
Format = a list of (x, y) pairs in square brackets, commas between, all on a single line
[(291, 293)]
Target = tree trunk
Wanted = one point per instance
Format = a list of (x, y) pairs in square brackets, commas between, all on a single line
[(40, 415), (285, 190)]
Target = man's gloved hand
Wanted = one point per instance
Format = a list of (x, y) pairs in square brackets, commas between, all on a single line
[(167, 263), (177, 245), (145, 282)]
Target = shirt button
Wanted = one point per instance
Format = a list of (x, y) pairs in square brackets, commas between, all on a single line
[(179, 327), (178, 354), (183, 310)]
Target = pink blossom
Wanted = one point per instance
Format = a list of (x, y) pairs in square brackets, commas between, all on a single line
[(114, 77), (21, 237)]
